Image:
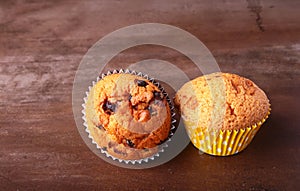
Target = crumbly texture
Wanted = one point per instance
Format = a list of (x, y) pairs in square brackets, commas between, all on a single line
[(222, 101), (107, 142), (131, 113)]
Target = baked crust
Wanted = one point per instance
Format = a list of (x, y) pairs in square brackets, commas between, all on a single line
[(125, 113), (222, 101)]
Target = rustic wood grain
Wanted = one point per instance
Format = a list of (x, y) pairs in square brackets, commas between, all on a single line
[(43, 42)]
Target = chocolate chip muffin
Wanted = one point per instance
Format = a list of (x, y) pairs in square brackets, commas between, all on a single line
[(127, 116), (222, 112)]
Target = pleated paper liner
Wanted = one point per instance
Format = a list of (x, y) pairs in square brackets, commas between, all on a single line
[(111, 148), (223, 142)]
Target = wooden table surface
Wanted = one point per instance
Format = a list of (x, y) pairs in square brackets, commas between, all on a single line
[(43, 42)]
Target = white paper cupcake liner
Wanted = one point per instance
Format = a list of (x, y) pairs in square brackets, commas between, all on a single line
[(160, 148)]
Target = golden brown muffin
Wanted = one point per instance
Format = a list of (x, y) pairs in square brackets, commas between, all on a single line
[(126, 113), (235, 101), (222, 112)]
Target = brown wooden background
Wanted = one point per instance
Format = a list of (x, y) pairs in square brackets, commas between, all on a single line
[(43, 42)]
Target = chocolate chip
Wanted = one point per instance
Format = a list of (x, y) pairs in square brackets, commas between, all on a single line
[(129, 143), (110, 144), (135, 107), (99, 126), (157, 95), (109, 107), (152, 111), (141, 83), (104, 148), (129, 97)]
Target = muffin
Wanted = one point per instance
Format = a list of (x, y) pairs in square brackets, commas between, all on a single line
[(222, 112), (128, 116)]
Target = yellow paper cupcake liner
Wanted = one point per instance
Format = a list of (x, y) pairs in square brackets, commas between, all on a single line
[(223, 142)]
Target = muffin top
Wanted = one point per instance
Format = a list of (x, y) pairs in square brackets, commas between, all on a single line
[(222, 101), (132, 110)]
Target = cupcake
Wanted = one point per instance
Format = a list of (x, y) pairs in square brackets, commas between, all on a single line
[(128, 116), (222, 112)]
